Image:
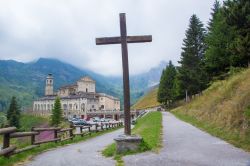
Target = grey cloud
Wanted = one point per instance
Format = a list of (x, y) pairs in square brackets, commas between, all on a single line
[(66, 30)]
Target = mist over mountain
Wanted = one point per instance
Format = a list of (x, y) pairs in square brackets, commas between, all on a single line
[(26, 80)]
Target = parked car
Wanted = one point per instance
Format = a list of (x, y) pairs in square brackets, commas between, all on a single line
[(159, 109), (109, 119), (133, 121), (104, 120), (73, 119), (96, 119), (81, 122)]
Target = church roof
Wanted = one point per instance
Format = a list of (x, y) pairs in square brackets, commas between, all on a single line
[(109, 96), (68, 86), (76, 96), (87, 78)]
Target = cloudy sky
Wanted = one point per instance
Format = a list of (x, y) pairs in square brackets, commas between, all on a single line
[(66, 30)]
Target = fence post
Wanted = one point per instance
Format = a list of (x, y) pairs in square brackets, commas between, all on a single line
[(32, 137), (106, 126), (71, 134), (6, 142), (96, 125), (81, 131), (55, 135), (89, 130), (102, 126)]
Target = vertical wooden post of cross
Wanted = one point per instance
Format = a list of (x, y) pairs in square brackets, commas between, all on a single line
[(123, 39)]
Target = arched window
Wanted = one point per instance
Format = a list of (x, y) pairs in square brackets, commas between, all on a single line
[(82, 107), (65, 107), (75, 106)]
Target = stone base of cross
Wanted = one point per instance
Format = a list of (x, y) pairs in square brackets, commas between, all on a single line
[(126, 141)]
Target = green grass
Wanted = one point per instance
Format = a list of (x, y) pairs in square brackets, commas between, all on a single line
[(223, 110), (28, 121), (149, 128), (24, 156), (147, 101), (234, 138)]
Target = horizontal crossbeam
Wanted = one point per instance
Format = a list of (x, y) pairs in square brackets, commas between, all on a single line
[(117, 40)]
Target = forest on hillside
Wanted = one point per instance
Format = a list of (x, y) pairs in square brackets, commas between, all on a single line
[(209, 53)]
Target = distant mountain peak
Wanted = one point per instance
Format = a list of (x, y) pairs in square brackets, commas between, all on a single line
[(45, 60)]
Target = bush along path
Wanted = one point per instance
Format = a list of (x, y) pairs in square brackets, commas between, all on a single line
[(183, 144), (149, 127)]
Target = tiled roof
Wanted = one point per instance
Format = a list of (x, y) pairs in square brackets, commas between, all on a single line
[(105, 95), (68, 86), (76, 96)]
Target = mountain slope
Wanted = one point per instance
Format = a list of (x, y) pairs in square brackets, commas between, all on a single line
[(26, 80), (142, 83), (223, 110), (148, 100)]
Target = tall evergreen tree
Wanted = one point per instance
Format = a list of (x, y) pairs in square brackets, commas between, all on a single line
[(237, 13), (56, 117), (161, 98), (215, 10), (191, 74), (13, 113), (217, 55), (166, 93)]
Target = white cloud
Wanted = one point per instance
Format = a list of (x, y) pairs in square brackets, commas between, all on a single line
[(66, 30)]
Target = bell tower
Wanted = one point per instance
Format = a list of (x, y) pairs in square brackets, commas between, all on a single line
[(49, 85)]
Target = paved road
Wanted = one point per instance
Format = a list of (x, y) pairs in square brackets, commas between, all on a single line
[(85, 153), (185, 145)]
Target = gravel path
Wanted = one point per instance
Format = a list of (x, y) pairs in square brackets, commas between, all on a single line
[(85, 153), (183, 144)]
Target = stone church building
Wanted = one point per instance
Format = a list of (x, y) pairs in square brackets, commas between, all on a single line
[(78, 100)]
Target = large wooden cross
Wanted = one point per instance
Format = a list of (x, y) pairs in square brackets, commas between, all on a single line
[(123, 40)]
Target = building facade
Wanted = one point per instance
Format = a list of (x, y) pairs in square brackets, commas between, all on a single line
[(78, 100)]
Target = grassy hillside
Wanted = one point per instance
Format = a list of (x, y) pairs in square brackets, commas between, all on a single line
[(223, 110), (147, 101)]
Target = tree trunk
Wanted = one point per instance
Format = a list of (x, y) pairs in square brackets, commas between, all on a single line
[(186, 96)]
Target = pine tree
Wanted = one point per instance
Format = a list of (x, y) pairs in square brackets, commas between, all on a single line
[(191, 74), (161, 98), (237, 13), (215, 10), (56, 116), (166, 93), (13, 113), (217, 55)]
